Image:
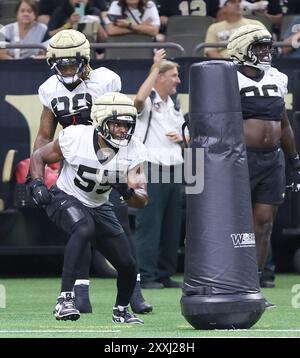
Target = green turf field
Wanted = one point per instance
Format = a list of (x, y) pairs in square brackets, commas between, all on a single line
[(29, 305)]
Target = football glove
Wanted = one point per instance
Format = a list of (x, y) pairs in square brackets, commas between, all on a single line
[(124, 190), (39, 192), (294, 161)]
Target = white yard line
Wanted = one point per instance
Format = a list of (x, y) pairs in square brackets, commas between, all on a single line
[(118, 331), (258, 330), (59, 331)]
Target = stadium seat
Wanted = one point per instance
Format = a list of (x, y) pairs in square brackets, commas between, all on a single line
[(128, 53), (8, 9), (187, 41), (189, 25), (187, 31), (7, 20)]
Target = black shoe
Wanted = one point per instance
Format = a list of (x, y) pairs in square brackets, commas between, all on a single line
[(269, 305), (65, 308), (137, 301), (267, 284), (82, 300), (122, 315), (169, 283), (151, 285)]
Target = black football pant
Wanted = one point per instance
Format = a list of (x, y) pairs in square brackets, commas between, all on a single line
[(121, 211), (99, 226), (115, 249)]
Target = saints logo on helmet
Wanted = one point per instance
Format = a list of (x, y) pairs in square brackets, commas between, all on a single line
[(68, 54), (114, 108), (251, 45)]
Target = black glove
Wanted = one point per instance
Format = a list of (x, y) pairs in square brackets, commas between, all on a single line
[(294, 161), (124, 190), (39, 192)]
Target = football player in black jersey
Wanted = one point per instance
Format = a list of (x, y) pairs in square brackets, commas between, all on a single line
[(266, 128)]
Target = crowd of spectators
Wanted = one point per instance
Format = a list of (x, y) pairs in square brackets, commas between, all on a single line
[(36, 21)]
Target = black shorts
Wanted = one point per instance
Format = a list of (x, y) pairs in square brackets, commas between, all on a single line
[(65, 211), (267, 176)]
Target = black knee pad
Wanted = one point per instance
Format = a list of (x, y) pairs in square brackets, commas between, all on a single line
[(73, 218), (69, 216)]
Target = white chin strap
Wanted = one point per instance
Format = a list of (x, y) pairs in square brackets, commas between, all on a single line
[(116, 143), (261, 66), (70, 80), (119, 142)]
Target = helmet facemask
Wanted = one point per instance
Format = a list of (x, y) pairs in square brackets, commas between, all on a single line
[(68, 48), (123, 139), (259, 54), (251, 45), (59, 65)]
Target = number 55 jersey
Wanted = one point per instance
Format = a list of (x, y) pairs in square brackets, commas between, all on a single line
[(87, 171), (263, 97)]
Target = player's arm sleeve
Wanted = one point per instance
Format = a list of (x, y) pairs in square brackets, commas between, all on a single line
[(43, 97), (116, 84), (65, 139), (140, 157)]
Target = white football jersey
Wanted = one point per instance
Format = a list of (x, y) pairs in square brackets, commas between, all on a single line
[(263, 98), (83, 175), (273, 83), (62, 102)]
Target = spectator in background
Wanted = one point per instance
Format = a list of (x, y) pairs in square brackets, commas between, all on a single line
[(291, 37), (290, 7), (221, 31), (24, 31), (272, 10), (275, 9), (46, 9), (167, 8), (67, 16), (158, 225), (132, 16)]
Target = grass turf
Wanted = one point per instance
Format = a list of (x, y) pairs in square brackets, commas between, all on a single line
[(30, 301)]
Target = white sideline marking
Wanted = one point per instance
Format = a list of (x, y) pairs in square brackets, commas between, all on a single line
[(259, 330), (60, 331), (276, 330), (117, 331)]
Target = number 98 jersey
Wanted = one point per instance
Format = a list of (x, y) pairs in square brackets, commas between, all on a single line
[(74, 107), (263, 98)]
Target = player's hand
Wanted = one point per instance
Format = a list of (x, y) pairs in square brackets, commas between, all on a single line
[(39, 192), (124, 190)]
